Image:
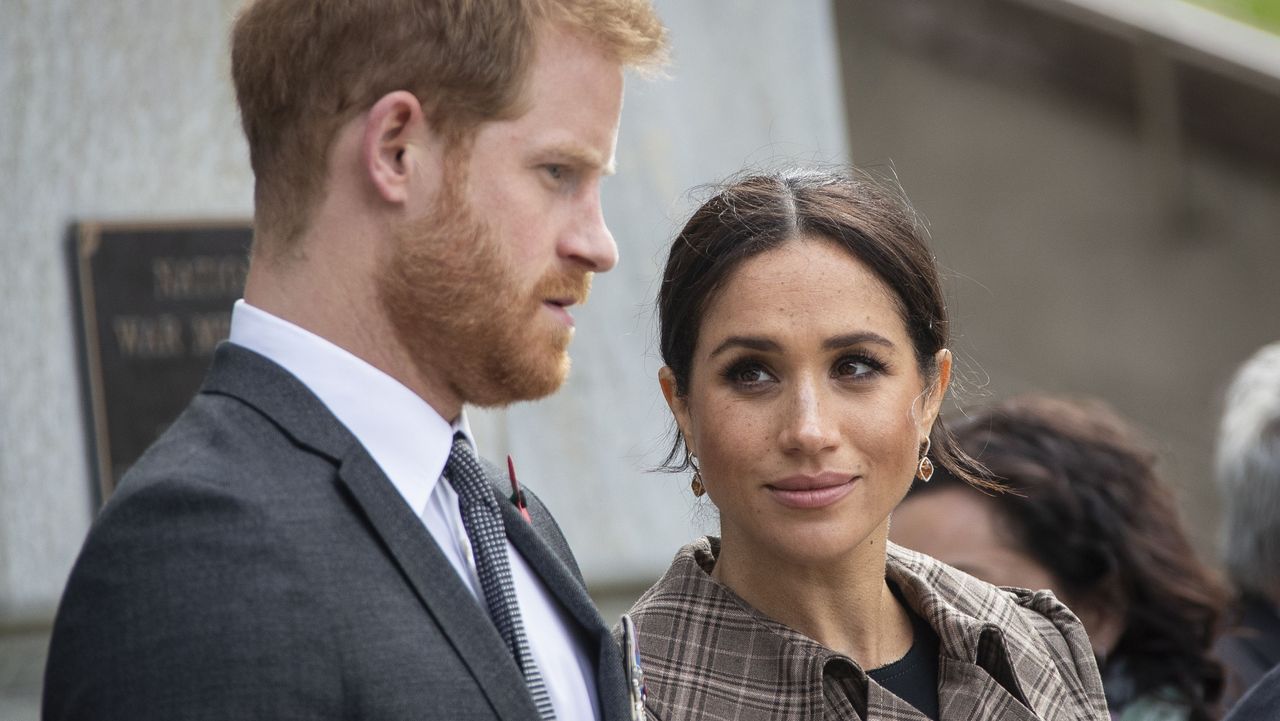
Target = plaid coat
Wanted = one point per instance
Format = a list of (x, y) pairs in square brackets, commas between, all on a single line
[(1005, 653)]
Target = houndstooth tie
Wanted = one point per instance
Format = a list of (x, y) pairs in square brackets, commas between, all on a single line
[(483, 521)]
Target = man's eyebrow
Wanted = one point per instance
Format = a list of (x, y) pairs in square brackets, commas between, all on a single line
[(578, 155), (852, 339), (745, 341)]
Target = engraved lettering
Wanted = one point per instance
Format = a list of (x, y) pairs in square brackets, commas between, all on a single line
[(199, 277), (207, 331), (149, 337)]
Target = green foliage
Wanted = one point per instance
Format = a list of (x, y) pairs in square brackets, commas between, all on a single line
[(1264, 14)]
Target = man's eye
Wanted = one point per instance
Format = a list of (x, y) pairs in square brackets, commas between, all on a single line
[(556, 172)]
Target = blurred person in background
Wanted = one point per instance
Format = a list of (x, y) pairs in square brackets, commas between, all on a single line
[(804, 337), (1248, 474), (1261, 703), (1086, 515)]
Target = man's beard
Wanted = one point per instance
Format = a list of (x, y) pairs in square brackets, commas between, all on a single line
[(454, 300)]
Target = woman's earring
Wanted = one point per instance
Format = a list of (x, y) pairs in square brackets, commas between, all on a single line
[(924, 471), (696, 484)]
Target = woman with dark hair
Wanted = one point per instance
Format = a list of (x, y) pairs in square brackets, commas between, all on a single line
[(1087, 516), (804, 336)]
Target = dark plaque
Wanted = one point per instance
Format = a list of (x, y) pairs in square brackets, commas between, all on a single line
[(154, 302)]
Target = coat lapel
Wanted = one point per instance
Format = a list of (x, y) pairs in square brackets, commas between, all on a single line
[(990, 641), (283, 398), (966, 692), (881, 704)]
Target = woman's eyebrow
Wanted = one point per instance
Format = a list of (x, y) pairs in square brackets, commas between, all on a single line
[(759, 343), (745, 341), (852, 339)]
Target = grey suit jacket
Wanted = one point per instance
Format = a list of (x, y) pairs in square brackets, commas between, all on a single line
[(257, 564)]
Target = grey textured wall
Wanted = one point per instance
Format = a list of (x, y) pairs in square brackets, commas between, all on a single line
[(123, 110), (110, 110)]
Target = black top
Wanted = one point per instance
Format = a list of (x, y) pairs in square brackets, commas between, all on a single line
[(914, 677)]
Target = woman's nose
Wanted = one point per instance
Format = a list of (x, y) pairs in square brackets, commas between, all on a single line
[(809, 427)]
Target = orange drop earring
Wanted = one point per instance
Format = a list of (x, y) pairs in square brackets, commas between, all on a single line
[(924, 471), (695, 485)]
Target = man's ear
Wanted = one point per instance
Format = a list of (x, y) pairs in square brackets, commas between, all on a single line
[(394, 127), (677, 403)]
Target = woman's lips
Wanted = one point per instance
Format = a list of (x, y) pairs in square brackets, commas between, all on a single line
[(817, 491)]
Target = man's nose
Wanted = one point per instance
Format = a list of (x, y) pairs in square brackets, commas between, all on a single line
[(589, 242)]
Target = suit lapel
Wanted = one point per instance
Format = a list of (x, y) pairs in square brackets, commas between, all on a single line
[(433, 579), (283, 398), (564, 585), (554, 574)]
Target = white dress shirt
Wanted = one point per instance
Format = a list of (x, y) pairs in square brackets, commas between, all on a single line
[(411, 443)]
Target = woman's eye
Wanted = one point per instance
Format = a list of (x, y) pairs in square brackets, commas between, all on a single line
[(750, 374), (854, 367)]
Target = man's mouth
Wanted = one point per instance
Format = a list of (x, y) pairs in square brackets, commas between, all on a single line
[(559, 294), (560, 308)]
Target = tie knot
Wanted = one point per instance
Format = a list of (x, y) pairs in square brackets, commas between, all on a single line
[(465, 474)]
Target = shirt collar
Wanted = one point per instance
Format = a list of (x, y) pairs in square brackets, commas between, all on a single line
[(406, 437)]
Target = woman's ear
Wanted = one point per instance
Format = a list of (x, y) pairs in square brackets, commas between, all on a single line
[(678, 404), (936, 391), (394, 127)]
